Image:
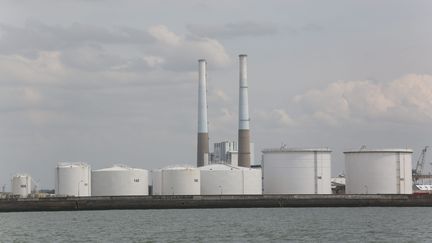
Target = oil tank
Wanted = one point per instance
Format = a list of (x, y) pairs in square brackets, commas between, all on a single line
[(219, 179), (378, 171), (119, 180), (73, 179), (176, 180), (296, 171), (21, 185)]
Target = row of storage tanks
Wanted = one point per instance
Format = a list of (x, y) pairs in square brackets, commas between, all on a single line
[(77, 179), (308, 171), (284, 171)]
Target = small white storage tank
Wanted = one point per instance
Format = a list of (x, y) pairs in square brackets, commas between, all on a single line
[(73, 179), (21, 185), (378, 171), (297, 171), (119, 180), (178, 180), (218, 179)]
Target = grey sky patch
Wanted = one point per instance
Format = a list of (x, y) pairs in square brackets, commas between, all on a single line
[(234, 30), (36, 36)]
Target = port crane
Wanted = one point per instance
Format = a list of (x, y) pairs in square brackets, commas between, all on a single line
[(418, 171)]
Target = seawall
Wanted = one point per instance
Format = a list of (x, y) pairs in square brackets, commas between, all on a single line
[(216, 201)]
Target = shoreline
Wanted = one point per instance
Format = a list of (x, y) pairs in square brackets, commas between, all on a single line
[(212, 201)]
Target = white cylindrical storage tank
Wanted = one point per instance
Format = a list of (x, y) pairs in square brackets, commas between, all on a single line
[(178, 180), (156, 181), (219, 179), (252, 181), (119, 180), (378, 171), (73, 179), (21, 185), (297, 171)]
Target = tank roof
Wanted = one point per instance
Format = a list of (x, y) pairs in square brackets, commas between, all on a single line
[(21, 175), (179, 167), (290, 150), (119, 167), (379, 151), (72, 164), (220, 167)]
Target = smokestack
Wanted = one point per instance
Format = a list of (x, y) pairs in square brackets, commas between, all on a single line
[(203, 140), (244, 155)]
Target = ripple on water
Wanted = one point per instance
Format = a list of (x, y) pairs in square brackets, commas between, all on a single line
[(221, 225)]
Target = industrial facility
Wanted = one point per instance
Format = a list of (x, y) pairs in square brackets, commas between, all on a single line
[(73, 179), (178, 180), (378, 171), (119, 180), (21, 185), (232, 170), (296, 171), (219, 179), (226, 152)]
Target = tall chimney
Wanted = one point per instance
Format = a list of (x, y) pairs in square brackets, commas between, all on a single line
[(244, 155), (203, 139)]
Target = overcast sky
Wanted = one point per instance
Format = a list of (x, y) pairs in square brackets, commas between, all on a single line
[(105, 82)]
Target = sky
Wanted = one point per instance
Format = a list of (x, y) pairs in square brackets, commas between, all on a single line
[(107, 82)]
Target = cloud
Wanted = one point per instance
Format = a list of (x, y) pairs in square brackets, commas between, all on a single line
[(217, 95), (91, 58), (222, 119), (176, 49), (233, 30), (275, 118), (405, 100), (164, 35), (92, 48), (36, 36), (45, 68)]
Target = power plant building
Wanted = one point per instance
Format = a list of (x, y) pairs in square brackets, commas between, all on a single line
[(73, 179), (119, 180), (179, 180), (222, 150), (222, 179), (296, 171), (227, 153), (21, 185), (378, 171)]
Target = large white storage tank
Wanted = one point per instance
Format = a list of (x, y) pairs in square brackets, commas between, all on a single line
[(297, 171), (73, 179), (178, 180), (21, 185), (119, 180), (218, 179), (378, 171)]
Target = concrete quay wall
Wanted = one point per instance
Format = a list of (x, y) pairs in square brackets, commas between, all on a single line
[(212, 201)]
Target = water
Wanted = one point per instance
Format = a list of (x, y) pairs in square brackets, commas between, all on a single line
[(221, 225)]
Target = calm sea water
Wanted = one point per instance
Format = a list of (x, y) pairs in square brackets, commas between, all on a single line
[(221, 225)]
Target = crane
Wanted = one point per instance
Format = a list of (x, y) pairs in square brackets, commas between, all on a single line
[(417, 173)]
